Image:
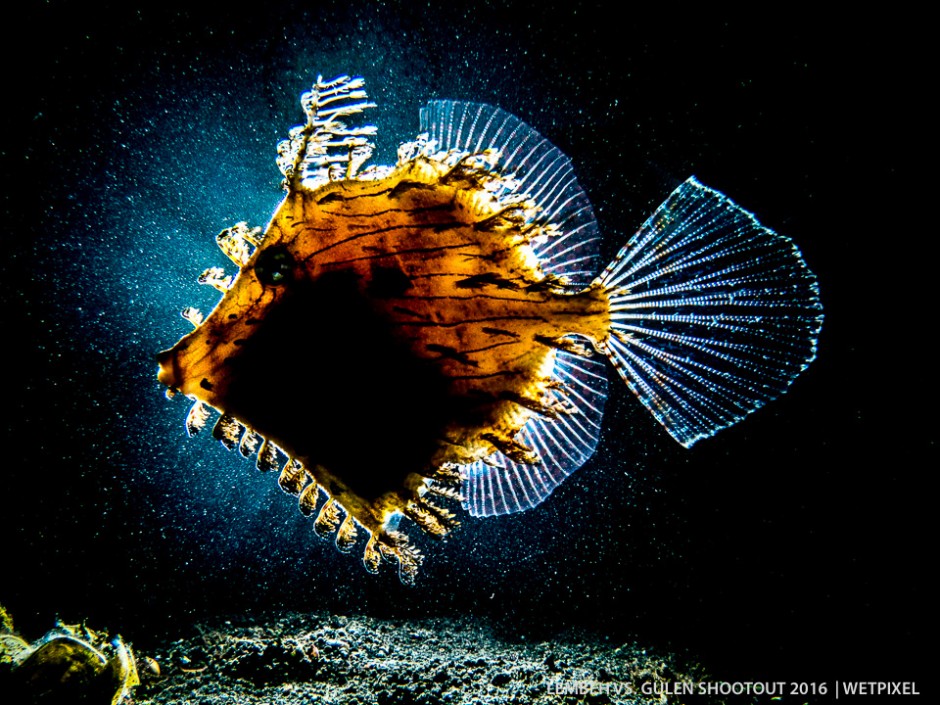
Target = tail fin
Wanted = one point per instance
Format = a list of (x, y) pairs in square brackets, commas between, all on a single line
[(712, 314)]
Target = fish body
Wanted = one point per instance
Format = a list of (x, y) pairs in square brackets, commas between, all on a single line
[(437, 328)]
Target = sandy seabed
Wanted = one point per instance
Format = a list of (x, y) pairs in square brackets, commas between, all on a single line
[(315, 658)]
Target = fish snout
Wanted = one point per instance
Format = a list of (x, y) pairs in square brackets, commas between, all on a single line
[(169, 369)]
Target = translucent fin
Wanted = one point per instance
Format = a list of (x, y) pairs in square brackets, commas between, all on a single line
[(542, 172), (712, 314), (499, 485)]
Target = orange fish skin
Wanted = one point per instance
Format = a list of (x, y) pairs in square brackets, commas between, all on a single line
[(423, 273)]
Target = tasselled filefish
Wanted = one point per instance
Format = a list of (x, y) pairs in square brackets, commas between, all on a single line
[(403, 339)]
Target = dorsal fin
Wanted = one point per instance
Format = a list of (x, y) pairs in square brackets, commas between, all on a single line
[(499, 485), (542, 171)]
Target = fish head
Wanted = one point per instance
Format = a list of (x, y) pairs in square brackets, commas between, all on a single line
[(237, 343)]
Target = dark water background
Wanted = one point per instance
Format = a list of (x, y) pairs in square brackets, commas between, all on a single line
[(793, 546)]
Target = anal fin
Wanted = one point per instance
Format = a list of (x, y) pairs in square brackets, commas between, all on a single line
[(563, 442)]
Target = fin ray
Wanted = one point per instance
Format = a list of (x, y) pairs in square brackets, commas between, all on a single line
[(712, 314), (499, 485), (541, 170)]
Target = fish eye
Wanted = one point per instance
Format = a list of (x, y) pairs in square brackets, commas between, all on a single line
[(274, 266)]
